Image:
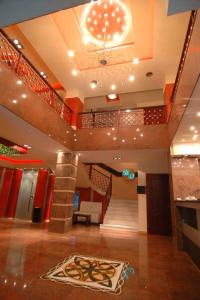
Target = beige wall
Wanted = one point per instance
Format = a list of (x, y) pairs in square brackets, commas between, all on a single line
[(121, 187), (129, 100)]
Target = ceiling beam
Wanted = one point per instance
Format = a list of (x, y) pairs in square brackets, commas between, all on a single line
[(17, 11), (180, 6)]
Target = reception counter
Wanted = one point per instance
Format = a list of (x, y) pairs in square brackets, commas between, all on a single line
[(188, 228)]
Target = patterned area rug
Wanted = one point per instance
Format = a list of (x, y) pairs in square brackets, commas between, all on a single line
[(90, 272)]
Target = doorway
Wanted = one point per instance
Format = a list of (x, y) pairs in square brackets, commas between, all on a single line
[(26, 195), (158, 204)]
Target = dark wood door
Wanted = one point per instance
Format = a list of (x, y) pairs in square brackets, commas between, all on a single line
[(158, 204)]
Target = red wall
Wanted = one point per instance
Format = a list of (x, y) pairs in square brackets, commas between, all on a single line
[(13, 195), (5, 190)]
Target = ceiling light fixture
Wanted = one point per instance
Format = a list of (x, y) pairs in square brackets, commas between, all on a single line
[(17, 44), (93, 84), (117, 20), (136, 60), (19, 82), (44, 75), (128, 110), (198, 114), (108, 133), (112, 97), (192, 128), (138, 129), (131, 78), (74, 72), (24, 96), (114, 138), (113, 87), (14, 101), (71, 53), (123, 140)]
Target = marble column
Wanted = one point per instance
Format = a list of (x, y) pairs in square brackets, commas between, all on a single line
[(65, 183)]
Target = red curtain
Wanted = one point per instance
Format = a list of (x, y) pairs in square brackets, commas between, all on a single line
[(40, 193), (5, 190), (49, 196), (14, 193)]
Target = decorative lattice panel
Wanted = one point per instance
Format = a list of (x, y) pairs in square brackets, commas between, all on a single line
[(155, 115), (131, 118), (24, 70)]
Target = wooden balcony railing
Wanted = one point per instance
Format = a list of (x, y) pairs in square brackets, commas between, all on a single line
[(123, 118), (27, 73)]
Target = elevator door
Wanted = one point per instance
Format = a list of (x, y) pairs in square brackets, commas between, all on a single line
[(26, 195)]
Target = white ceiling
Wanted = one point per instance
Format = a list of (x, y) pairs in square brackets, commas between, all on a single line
[(18, 131), (48, 36)]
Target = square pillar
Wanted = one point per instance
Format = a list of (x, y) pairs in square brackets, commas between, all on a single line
[(64, 189)]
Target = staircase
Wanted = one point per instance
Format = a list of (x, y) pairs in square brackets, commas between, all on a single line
[(121, 214)]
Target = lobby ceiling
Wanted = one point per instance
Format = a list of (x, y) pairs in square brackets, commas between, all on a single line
[(155, 38)]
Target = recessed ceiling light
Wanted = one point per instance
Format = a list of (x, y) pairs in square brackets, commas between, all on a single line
[(86, 40), (93, 84), (113, 128), (19, 46), (75, 140), (14, 101), (131, 78), (135, 138), (108, 133), (195, 137), (136, 61), (192, 128), (196, 131), (128, 110), (113, 87), (74, 72), (112, 96), (198, 114), (44, 75), (19, 82), (15, 41), (114, 138), (24, 96), (141, 134), (123, 140), (138, 129), (71, 53)]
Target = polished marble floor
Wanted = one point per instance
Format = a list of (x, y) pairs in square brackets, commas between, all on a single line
[(27, 251)]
